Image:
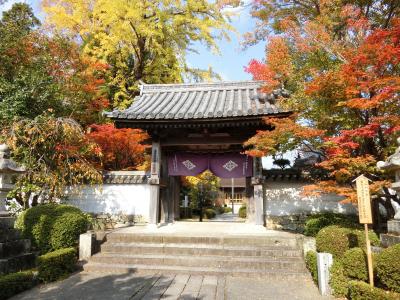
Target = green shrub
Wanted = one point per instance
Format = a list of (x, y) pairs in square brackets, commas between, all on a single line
[(359, 290), (373, 238), (337, 240), (388, 267), (57, 264), (315, 223), (14, 283), (227, 209), (39, 223), (355, 264), (210, 213), (243, 212), (338, 280), (66, 230), (311, 263)]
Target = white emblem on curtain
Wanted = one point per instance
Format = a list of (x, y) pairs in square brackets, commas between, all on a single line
[(230, 165), (188, 164)]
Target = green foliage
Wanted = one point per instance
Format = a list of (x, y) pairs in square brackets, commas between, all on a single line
[(355, 264), (140, 40), (14, 283), (311, 263), (52, 226), (338, 280), (227, 209), (57, 264), (359, 290), (205, 185), (66, 230), (337, 240), (55, 153), (243, 212), (388, 267), (315, 223), (210, 213)]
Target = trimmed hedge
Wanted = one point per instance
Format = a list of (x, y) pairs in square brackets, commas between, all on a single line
[(52, 226), (338, 280), (14, 283), (359, 290), (388, 267), (66, 230), (57, 264), (210, 213), (337, 240), (315, 223), (355, 264), (311, 263), (243, 212)]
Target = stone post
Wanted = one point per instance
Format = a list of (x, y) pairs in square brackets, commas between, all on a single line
[(324, 262), (8, 170)]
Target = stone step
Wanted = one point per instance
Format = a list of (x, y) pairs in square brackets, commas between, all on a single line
[(12, 248), (198, 250), (7, 222), (232, 263), (260, 241), (125, 268), (9, 235), (17, 263)]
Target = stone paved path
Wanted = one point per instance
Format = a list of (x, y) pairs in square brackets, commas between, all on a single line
[(150, 286)]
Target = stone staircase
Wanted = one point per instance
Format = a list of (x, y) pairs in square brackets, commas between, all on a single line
[(272, 256), (15, 252)]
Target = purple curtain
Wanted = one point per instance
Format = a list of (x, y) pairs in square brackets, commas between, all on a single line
[(231, 165), (227, 165), (187, 164)]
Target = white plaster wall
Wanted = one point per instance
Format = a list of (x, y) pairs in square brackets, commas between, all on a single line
[(285, 198), (127, 199)]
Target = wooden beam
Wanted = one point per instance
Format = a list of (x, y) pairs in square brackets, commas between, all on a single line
[(173, 141)]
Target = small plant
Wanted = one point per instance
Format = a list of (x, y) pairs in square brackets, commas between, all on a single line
[(311, 263), (388, 267), (210, 213), (227, 209), (243, 212), (57, 264)]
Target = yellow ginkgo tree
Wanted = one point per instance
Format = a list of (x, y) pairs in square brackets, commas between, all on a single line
[(140, 39)]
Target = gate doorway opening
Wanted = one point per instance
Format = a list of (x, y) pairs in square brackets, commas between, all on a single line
[(208, 198)]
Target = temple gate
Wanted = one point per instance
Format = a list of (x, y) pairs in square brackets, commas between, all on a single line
[(201, 126)]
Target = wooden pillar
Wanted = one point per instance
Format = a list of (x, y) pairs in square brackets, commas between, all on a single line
[(154, 183), (165, 185)]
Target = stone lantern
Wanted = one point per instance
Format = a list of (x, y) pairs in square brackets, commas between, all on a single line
[(392, 164), (8, 170)]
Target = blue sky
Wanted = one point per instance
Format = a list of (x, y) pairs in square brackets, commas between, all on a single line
[(229, 65)]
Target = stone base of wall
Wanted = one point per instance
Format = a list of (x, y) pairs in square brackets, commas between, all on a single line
[(111, 221), (294, 223)]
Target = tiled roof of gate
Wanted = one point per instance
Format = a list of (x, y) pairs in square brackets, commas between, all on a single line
[(201, 101)]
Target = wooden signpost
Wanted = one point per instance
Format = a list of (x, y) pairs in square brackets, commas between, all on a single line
[(365, 216)]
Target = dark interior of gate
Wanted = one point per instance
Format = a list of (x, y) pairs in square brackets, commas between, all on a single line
[(202, 121)]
